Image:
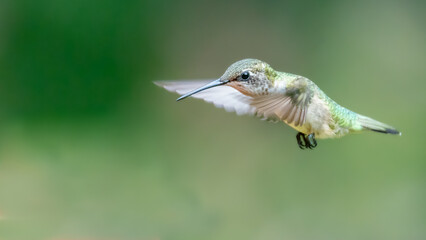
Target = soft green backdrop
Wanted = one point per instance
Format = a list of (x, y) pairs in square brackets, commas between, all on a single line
[(91, 149)]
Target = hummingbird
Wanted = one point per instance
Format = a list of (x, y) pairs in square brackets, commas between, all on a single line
[(253, 87)]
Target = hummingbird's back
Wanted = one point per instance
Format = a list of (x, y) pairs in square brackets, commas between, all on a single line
[(346, 121)]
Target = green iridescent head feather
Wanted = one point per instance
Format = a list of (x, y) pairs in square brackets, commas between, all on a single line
[(253, 65)]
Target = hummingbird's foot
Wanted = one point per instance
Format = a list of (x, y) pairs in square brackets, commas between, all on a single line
[(301, 141), (310, 141), (306, 141)]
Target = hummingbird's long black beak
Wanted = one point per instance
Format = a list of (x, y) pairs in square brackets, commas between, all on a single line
[(215, 83)]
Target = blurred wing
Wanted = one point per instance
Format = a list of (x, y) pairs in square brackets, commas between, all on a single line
[(290, 106), (222, 96), (279, 107)]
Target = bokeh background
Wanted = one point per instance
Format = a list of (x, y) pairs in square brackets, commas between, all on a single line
[(91, 149)]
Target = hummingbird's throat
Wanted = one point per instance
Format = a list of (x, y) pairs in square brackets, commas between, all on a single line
[(241, 88)]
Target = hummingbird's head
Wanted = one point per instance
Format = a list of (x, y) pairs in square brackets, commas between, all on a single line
[(249, 76)]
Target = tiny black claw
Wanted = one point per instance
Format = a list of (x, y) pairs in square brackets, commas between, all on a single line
[(301, 141), (310, 140), (314, 142)]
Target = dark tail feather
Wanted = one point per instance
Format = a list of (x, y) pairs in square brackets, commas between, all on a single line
[(387, 130), (376, 126)]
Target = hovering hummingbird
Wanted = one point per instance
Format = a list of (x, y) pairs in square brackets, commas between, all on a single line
[(252, 87)]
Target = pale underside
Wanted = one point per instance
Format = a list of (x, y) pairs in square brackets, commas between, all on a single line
[(295, 111)]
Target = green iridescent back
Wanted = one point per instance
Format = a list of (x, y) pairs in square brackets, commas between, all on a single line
[(341, 115)]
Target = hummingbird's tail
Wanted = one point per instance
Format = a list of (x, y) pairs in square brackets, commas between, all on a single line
[(376, 126)]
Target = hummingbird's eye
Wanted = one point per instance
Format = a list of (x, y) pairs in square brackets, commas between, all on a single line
[(245, 75)]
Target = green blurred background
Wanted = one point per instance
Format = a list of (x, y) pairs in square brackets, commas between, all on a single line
[(91, 149)]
